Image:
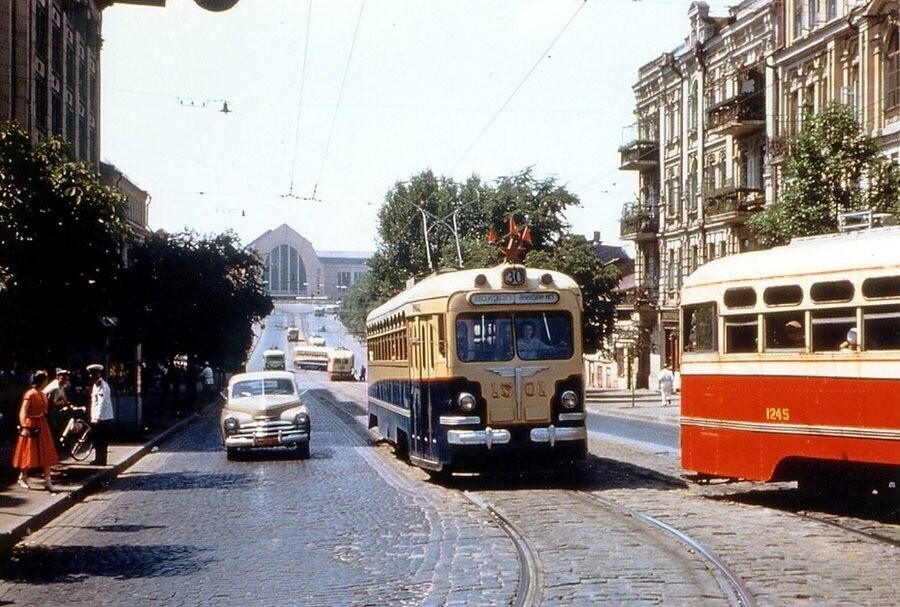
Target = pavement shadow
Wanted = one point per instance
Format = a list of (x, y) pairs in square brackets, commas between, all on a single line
[(35, 564)]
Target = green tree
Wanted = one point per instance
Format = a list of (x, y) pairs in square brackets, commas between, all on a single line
[(471, 210), (833, 167), (194, 296), (62, 235)]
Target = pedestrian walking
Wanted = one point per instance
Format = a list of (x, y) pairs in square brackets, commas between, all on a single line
[(101, 413), (35, 447), (666, 384)]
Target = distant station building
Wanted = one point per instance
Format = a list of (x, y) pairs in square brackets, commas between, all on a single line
[(294, 269)]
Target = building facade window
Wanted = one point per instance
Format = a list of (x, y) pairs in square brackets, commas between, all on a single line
[(892, 72)]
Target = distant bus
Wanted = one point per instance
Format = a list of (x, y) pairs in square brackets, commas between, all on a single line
[(340, 364), (311, 357), (273, 360), (293, 334)]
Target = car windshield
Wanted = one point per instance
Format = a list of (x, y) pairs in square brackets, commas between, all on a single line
[(261, 387)]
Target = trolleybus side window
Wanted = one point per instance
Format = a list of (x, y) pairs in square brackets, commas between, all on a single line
[(830, 327), (700, 328), (881, 327), (785, 330), (741, 333), (739, 297), (831, 291)]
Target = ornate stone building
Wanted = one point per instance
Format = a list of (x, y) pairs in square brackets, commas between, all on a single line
[(712, 116)]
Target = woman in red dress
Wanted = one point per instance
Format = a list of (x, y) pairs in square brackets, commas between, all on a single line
[(35, 448)]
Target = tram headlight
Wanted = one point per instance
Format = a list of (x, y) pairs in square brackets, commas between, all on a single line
[(466, 401), (569, 399)]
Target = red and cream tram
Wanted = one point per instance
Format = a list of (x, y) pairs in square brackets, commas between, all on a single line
[(790, 366), (472, 368)]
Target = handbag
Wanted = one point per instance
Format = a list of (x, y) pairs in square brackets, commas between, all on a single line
[(29, 432)]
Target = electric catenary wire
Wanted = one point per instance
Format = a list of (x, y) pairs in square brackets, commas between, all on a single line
[(519, 86), (340, 97), (290, 193)]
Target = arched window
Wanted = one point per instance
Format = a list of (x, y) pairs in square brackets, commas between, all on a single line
[(892, 72), (692, 108)]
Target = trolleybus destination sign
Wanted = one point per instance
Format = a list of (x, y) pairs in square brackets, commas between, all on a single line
[(506, 299)]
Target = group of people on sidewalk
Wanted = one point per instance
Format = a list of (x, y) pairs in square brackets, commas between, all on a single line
[(36, 442)]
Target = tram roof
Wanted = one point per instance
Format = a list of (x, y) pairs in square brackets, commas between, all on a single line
[(807, 256), (447, 282)]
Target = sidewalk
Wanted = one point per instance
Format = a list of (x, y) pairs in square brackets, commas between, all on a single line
[(25, 510), (638, 404)]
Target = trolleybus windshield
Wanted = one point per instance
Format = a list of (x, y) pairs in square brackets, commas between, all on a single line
[(496, 336)]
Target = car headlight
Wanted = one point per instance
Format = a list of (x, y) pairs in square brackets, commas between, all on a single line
[(569, 399), (466, 402), (231, 425), (301, 420)]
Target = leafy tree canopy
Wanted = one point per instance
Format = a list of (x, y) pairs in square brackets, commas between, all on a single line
[(62, 235), (194, 296), (833, 167), (417, 223)]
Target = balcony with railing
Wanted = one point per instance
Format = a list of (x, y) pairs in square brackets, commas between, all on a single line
[(639, 222), (731, 203), (740, 115), (778, 149), (640, 147)]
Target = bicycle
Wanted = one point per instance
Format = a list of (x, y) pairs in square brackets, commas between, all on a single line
[(76, 437)]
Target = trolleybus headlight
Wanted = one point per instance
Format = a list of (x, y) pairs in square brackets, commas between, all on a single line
[(480, 280), (568, 399), (547, 279), (231, 425), (466, 402)]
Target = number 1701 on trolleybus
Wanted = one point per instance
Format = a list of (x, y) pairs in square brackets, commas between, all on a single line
[(790, 367), (474, 368)]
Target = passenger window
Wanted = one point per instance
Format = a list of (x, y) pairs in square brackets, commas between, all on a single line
[(783, 295), (830, 328), (837, 290), (882, 328), (741, 333), (785, 331), (881, 287), (740, 297), (699, 325)]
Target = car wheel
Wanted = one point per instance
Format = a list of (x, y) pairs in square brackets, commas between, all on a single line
[(303, 450)]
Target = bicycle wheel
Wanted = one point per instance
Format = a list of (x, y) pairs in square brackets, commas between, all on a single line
[(82, 445)]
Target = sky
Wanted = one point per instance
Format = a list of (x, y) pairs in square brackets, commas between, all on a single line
[(334, 101)]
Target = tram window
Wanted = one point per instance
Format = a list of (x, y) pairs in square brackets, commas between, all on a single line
[(740, 333), (881, 287), (830, 327), (835, 290), (547, 335), (785, 331), (783, 295), (483, 337), (740, 297), (881, 327), (699, 328)]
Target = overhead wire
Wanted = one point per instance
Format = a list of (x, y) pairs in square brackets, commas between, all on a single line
[(290, 193), (519, 86), (337, 107)]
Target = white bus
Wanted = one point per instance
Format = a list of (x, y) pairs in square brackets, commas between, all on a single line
[(311, 357)]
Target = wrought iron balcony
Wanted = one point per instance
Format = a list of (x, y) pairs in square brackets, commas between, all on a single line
[(638, 223), (732, 204), (640, 148), (740, 115)]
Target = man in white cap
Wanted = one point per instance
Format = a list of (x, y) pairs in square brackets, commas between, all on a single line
[(101, 413)]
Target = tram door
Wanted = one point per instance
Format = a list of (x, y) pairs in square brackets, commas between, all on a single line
[(422, 369)]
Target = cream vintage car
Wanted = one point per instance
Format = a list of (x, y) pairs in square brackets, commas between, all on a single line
[(264, 409)]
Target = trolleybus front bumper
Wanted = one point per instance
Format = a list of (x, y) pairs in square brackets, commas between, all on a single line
[(494, 436)]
